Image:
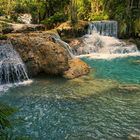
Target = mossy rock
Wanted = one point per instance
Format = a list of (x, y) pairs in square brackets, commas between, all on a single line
[(3, 37), (69, 30), (5, 28)]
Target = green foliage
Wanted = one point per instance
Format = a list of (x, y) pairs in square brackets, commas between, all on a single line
[(5, 112), (137, 27), (54, 20), (49, 12), (84, 7), (5, 122), (21, 9), (98, 16)]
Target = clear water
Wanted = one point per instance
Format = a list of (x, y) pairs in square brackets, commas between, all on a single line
[(123, 70), (105, 105)]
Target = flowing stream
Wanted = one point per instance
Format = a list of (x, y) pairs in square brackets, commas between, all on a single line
[(95, 107), (104, 105)]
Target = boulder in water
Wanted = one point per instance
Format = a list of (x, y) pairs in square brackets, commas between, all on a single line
[(129, 88), (77, 68), (42, 52), (134, 136), (136, 62)]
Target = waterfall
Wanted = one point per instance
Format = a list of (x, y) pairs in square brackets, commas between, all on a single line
[(65, 45), (101, 41), (12, 69), (105, 28)]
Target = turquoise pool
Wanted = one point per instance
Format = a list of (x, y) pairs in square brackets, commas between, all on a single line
[(105, 105)]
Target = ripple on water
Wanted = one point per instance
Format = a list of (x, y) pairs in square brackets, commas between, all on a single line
[(85, 108)]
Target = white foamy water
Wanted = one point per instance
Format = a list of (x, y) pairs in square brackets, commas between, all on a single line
[(101, 43), (108, 56), (106, 28), (6, 87), (12, 69)]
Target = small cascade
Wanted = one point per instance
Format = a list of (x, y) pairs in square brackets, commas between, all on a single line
[(105, 28), (101, 41), (12, 69), (64, 45)]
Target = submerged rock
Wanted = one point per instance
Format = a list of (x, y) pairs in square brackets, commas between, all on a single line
[(136, 62), (42, 53), (129, 88), (134, 136)]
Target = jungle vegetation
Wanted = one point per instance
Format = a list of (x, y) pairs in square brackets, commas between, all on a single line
[(53, 12)]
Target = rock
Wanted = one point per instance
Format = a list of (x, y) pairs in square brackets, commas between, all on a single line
[(68, 30), (129, 88), (6, 27), (7, 30), (136, 62), (136, 41), (134, 136), (77, 68), (41, 54), (25, 18), (74, 43), (3, 37), (24, 28), (0, 29)]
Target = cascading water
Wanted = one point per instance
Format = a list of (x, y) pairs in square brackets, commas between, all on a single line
[(101, 42), (106, 28), (64, 45), (12, 69)]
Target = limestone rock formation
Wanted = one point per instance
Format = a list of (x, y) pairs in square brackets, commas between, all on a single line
[(77, 68), (69, 30), (42, 54), (6, 27)]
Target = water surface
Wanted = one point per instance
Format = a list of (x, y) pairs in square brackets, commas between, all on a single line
[(105, 105)]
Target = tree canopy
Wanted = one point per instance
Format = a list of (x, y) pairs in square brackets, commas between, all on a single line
[(52, 12)]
